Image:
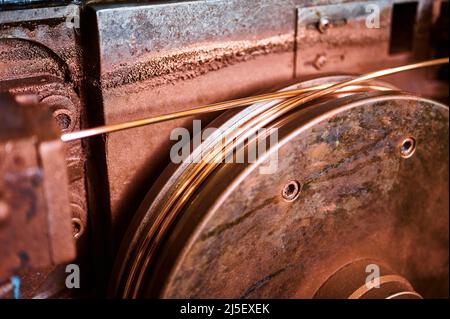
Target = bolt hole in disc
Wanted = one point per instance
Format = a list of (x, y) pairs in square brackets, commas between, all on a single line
[(408, 147), (291, 191)]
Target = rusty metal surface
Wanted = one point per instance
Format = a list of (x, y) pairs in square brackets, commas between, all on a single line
[(150, 33), (41, 56), (16, 4), (159, 58), (359, 198), (35, 227), (149, 58), (346, 41), (45, 31)]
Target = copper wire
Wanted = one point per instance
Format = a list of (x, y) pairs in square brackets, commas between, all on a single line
[(216, 107)]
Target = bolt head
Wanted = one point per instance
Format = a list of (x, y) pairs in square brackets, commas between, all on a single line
[(324, 24)]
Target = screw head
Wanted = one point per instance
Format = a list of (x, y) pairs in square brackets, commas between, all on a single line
[(324, 24)]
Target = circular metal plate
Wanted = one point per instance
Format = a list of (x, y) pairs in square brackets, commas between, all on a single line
[(241, 234)]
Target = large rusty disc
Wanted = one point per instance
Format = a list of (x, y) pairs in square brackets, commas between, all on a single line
[(361, 180)]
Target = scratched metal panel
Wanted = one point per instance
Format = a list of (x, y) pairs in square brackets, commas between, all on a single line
[(160, 58), (348, 44), (190, 34)]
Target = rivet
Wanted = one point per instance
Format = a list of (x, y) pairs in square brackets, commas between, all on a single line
[(324, 24), (78, 228)]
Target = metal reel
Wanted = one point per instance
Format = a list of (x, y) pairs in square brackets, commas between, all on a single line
[(360, 183)]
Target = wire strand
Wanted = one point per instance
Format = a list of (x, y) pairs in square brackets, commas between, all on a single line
[(221, 106)]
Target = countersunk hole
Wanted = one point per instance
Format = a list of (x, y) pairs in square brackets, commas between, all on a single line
[(63, 121), (291, 191), (407, 147), (77, 228)]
